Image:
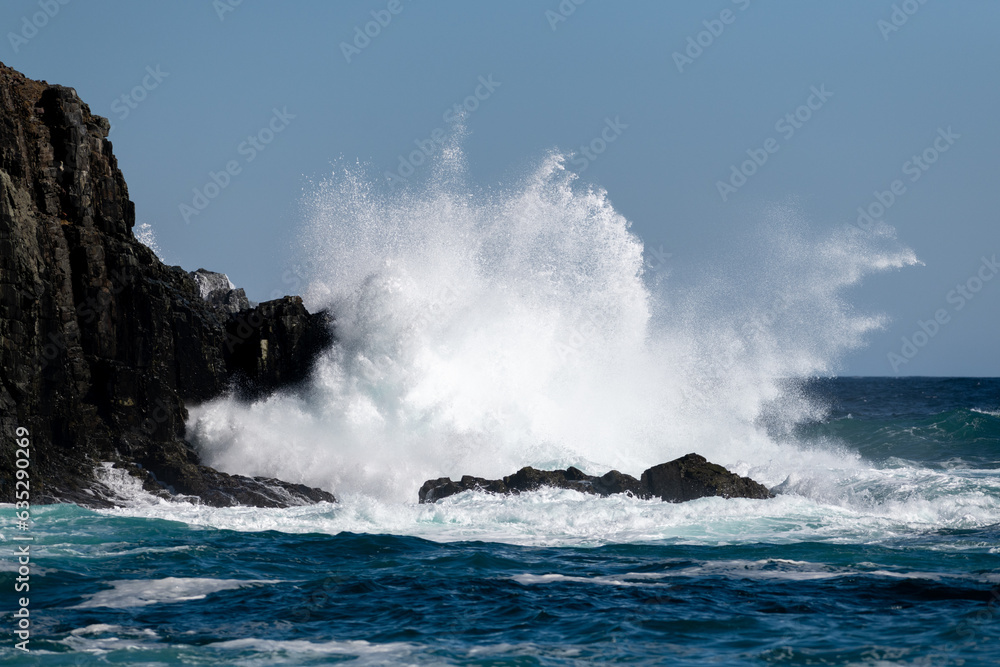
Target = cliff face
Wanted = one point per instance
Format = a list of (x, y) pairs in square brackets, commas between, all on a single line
[(100, 343)]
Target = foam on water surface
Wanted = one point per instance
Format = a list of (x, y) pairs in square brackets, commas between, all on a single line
[(142, 592), (553, 517)]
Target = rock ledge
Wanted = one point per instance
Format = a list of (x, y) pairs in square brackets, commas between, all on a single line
[(687, 478)]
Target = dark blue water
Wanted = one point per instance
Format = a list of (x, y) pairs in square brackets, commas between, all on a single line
[(894, 561)]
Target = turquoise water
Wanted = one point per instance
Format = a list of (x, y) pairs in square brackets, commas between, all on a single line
[(891, 559)]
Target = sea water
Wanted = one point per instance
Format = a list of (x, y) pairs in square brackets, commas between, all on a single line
[(483, 329)]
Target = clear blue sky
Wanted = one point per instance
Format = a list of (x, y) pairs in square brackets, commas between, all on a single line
[(223, 73)]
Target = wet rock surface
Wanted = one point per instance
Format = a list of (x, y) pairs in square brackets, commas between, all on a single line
[(686, 478), (101, 344)]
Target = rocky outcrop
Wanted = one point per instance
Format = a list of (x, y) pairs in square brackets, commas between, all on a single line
[(274, 345), (686, 478), (101, 344), (218, 290), (692, 476)]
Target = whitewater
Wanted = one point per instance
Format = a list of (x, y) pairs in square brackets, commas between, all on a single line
[(482, 329)]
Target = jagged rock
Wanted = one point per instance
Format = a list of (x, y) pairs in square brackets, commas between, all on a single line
[(692, 476), (223, 490), (274, 344), (218, 290), (532, 479), (686, 478), (101, 344), (618, 482)]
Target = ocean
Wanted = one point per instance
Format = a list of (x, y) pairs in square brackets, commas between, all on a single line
[(481, 330), (894, 562)]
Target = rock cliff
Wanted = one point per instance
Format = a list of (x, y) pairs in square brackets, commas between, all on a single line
[(101, 344)]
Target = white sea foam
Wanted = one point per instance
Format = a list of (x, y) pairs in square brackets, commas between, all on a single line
[(628, 579), (555, 517), (102, 628), (141, 592), (772, 569), (102, 638), (118, 486), (481, 331), (277, 652)]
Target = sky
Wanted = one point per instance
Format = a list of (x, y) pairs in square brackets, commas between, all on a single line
[(887, 106)]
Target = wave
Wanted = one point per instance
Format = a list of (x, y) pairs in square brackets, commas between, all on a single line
[(957, 438), (481, 330), (867, 507)]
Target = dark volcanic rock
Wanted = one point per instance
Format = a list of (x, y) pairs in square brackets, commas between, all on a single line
[(532, 479), (692, 476), (101, 344), (436, 489), (618, 482), (686, 478), (274, 344), (223, 490)]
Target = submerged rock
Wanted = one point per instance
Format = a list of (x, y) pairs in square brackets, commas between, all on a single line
[(101, 344), (686, 478), (692, 476)]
